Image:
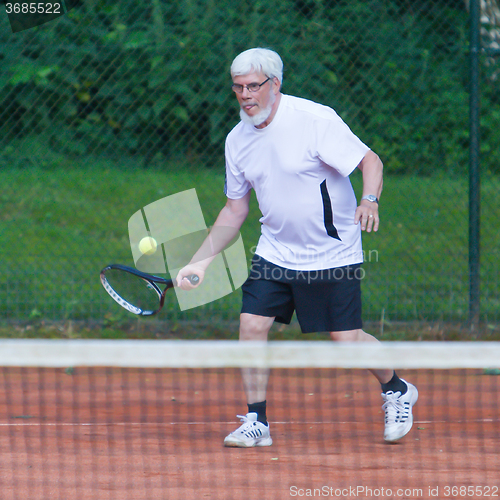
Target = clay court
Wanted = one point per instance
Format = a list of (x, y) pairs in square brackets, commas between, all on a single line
[(157, 434)]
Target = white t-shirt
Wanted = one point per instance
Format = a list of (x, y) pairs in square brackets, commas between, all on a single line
[(299, 166)]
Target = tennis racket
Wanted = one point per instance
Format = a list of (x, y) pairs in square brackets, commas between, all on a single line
[(140, 293)]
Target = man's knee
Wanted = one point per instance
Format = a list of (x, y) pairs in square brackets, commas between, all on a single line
[(254, 327), (347, 336)]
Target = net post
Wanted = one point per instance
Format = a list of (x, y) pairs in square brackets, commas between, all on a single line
[(474, 174)]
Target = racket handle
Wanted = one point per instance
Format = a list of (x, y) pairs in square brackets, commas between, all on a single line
[(193, 278)]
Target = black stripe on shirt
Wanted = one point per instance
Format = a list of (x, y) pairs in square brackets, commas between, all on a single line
[(331, 230)]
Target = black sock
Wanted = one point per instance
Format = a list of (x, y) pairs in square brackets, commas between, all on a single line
[(260, 409), (395, 385)]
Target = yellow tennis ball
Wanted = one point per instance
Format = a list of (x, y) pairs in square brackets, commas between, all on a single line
[(148, 245)]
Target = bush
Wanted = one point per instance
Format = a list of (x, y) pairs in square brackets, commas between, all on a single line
[(151, 82)]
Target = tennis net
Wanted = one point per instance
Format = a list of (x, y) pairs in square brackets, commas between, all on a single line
[(99, 419)]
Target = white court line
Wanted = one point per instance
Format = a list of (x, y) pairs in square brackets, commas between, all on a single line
[(295, 422)]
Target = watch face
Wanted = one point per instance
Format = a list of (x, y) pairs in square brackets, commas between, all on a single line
[(371, 198)]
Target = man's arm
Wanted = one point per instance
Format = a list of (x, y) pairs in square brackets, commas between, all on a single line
[(367, 211), (229, 222)]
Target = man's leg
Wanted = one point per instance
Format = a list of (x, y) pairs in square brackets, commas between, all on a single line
[(256, 328), (383, 376), (254, 430), (399, 396)]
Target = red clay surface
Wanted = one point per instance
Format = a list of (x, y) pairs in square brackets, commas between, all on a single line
[(157, 434)]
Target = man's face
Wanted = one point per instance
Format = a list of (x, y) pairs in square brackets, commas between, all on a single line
[(256, 106)]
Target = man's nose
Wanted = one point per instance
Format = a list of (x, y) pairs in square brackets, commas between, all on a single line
[(246, 93)]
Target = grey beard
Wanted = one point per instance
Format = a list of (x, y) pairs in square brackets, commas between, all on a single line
[(257, 119), (260, 117)]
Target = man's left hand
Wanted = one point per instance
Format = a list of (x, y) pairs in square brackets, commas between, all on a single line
[(367, 215)]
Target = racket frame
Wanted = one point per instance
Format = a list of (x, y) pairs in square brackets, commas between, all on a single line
[(152, 280)]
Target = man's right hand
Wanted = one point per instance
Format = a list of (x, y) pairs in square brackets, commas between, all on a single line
[(182, 280)]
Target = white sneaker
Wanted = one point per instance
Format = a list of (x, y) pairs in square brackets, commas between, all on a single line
[(250, 433), (398, 415)]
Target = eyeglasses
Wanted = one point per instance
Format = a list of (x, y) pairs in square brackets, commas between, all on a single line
[(252, 87)]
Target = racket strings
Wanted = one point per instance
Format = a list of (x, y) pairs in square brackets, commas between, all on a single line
[(136, 294)]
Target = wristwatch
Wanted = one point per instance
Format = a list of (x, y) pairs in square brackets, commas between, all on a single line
[(370, 197)]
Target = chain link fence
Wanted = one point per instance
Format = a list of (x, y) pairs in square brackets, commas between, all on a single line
[(117, 104)]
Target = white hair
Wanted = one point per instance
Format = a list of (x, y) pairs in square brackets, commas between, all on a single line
[(258, 60)]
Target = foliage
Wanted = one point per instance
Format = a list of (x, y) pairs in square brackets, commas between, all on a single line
[(150, 81)]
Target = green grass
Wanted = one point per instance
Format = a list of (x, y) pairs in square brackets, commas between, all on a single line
[(60, 226)]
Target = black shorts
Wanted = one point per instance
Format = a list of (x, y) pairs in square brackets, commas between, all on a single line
[(327, 300)]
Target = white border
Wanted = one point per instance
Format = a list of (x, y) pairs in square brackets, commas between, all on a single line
[(222, 353)]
